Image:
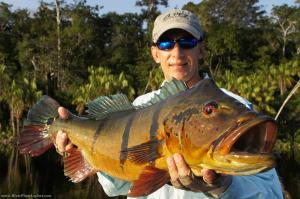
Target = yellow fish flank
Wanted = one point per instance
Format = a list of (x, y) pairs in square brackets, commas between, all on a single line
[(209, 128)]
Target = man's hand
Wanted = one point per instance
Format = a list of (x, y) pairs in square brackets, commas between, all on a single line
[(62, 142), (183, 178)]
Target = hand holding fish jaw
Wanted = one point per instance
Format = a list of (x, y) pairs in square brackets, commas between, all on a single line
[(183, 178), (62, 142)]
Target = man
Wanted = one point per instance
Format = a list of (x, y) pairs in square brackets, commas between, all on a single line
[(178, 46)]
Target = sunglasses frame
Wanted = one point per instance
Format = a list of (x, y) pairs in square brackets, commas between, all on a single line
[(173, 42)]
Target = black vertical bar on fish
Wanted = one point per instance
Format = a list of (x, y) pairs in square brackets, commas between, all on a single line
[(155, 116), (97, 133), (125, 137), (155, 125)]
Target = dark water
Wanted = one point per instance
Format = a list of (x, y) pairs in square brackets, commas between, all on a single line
[(288, 167), (42, 177)]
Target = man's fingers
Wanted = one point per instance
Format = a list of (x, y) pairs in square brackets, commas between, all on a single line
[(183, 178), (69, 147), (173, 173), (183, 169), (63, 144), (63, 113), (209, 176), (172, 168), (61, 141)]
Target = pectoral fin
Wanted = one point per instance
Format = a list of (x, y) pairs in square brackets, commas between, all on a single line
[(143, 153), (149, 181), (76, 167)]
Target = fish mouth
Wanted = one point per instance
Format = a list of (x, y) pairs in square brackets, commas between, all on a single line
[(246, 147)]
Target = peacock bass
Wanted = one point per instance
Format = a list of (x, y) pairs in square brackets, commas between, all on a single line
[(209, 128)]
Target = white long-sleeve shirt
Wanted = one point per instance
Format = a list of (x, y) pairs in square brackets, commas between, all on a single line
[(264, 185)]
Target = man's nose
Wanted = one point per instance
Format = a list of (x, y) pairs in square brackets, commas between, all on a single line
[(177, 51)]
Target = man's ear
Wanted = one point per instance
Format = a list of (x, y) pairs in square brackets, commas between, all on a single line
[(155, 54), (201, 49)]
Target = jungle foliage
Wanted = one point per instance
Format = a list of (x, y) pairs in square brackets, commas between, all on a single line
[(73, 52)]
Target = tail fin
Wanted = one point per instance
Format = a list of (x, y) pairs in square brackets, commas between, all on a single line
[(35, 139)]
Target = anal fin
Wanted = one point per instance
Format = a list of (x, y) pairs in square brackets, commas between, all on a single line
[(149, 181), (76, 167)]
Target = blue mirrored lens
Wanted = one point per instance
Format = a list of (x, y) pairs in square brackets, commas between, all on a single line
[(185, 43), (165, 45)]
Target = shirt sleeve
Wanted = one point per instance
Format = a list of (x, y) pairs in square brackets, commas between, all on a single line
[(263, 185), (113, 186)]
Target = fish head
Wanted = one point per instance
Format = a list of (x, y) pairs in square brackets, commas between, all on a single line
[(216, 131)]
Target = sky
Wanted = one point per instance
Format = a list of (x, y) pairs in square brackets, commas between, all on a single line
[(122, 6)]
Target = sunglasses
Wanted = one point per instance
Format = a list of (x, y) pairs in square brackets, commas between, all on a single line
[(184, 43)]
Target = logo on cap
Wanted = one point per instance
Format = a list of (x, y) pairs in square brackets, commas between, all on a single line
[(178, 13)]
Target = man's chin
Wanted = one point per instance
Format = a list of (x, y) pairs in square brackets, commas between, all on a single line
[(182, 78)]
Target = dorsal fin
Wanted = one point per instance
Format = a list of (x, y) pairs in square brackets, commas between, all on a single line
[(169, 88), (103, 105)]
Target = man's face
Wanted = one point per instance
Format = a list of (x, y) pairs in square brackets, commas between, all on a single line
[(178, 62)]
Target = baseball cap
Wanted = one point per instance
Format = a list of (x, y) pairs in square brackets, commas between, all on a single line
[(176, 18)]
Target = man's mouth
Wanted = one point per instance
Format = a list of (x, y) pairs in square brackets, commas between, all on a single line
[(179, 65)]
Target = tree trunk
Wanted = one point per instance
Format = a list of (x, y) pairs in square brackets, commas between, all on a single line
[(12, 120), (283, 48), (18, 126), (58, 23), (287, 27)]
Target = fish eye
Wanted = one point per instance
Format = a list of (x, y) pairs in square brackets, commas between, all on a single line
[(210, 107)]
